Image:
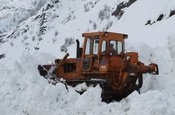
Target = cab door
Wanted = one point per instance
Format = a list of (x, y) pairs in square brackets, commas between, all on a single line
[(90, 53)]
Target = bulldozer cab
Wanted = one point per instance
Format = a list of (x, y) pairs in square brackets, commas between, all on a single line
[(101, 51)]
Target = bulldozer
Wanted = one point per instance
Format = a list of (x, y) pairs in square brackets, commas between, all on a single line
[(103, 61)]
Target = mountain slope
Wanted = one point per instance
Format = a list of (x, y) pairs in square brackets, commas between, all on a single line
[(14, 12)]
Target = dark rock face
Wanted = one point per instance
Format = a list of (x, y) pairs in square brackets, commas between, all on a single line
[(161, 17), (68, 42), (172, 13), (131, 2), (148, 22), (119, 10), (2, 56)]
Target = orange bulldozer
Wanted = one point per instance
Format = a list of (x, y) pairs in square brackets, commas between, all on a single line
[(102, 61)]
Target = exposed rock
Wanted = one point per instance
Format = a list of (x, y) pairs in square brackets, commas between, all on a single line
[(131, 2), (2, 56), (55, 1), (119, 10), (172, 13), (160, 17), (68, 42), (148, 22)]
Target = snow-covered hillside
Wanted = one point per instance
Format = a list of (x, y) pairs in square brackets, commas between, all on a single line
[(40, 36), (14, 12)]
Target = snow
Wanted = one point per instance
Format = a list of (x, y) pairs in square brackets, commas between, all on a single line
[(14, 12), (24, 92), (137, 15)]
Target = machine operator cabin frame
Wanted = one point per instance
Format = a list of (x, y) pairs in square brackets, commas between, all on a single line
[(97, 45)]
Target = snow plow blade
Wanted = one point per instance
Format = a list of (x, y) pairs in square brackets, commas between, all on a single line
[(45, 70), (49, 71)]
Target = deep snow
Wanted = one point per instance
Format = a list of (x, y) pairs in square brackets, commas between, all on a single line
[(24, 92)]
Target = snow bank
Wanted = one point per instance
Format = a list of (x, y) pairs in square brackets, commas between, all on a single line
[(150, 103), (24, 91)]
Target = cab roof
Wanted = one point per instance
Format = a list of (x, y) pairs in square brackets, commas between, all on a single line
[(104, 33)]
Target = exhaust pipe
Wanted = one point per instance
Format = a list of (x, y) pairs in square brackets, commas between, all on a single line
[(78, 46)]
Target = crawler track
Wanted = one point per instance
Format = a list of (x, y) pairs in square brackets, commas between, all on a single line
[(106, 94)]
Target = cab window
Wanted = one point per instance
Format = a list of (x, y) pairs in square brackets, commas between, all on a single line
[(104, 46), (88, 46), (95, 46), (119, 44), (115, 47)]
